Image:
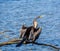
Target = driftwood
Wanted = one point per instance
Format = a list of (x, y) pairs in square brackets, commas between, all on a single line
[(16, 41)]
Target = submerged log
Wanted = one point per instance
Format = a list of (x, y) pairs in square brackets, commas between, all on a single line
[(16, 41)]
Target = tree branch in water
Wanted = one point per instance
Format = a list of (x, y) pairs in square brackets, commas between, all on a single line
[(16, 41)]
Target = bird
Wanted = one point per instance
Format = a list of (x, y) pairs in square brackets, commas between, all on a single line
[(30, 33)]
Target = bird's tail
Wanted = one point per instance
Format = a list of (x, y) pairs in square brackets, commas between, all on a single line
[(19, 44)]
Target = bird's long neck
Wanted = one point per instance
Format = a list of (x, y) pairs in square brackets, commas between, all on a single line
[(36, 18), (35, 23)]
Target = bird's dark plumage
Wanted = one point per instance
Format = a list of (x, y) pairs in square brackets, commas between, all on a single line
[(29, 33)]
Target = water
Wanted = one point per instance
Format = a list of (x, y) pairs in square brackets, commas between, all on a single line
[(13, 13)]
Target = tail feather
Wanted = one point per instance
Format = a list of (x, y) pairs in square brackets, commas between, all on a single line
[(19, 44)]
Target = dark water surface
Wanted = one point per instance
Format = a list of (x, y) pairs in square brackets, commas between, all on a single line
[(13, 13)]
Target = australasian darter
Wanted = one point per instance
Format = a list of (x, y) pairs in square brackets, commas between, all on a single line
[(30, 33)]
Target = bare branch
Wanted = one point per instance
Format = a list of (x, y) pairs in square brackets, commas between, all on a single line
[(16, 41)]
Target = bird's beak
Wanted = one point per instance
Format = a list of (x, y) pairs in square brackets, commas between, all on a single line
[(40, 16)]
